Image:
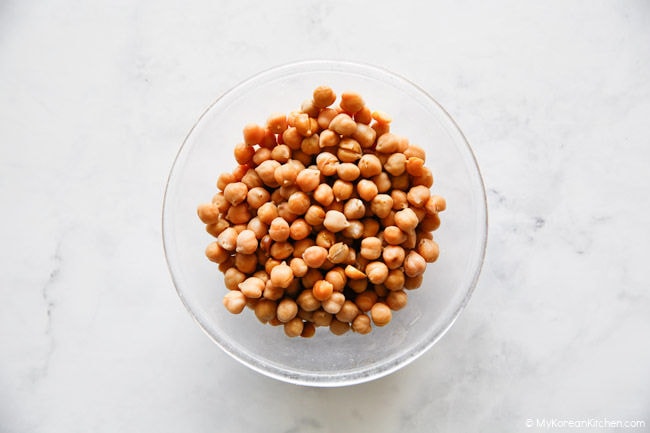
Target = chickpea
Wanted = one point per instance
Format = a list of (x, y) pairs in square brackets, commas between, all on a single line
[(353, 273), (406, 219), (322, 290), (365, 135), (234, 301), (281, 250), (314, 256), (325, 239), (224, 179), (351, 102), (311, 277), (336, 277), (383, 182), (435, 204), (354, 209), (311, 145), (348, 171), (307, 316), (334, 303), (301, 245), (315, 215), (354, 230), (343, 124), (411, 240), (369, 165), (419, 195), (276, 123), (367, 189), (401, 182), (220, 202), (324, 194), (218, 227), (325, 117), (281, 275), (430, 222), (370, 248), (411, 283), (208, 213), (327, 163), (413, 151), (228, 239), (308, 330), (396, 164), (298, 203), (335, 205), (266, 172), (414, 264), (246, 242), (365, 300), (253, 134), (338, 253), (323, 96), (393, 256), (299, 229), (361, 324), (267, 213), (292, 138), (342, 189), (258, 227), (247, 263), (294, 327), (321, 318), (414, 166), (349, 150), (328, 139), (215, 253), (252, 287), (335, 221), (281, 153), (232, 277), (370, 227), (339, 328), (348, 312), (428, 249), (397, 300), (298, 267), (235, 193), (279, 229), (307, 301), (381, 205), (395, 280), (243, 153), (265, 310), (393, 235), (387, 143), (380, 314), (377, 272), (286, 310), (285, 213), (308, 107), (308, 179), (426, 179)]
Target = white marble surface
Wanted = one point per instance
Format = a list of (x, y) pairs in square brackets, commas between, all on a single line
[(96, 98)]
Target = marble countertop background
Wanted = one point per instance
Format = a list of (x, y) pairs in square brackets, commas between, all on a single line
[(96, 98)]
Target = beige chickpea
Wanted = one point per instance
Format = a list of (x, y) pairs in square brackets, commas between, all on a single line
[(393, 256), (314, 256), (354, 230), (361, 324), (208, 213), (299, 229), (232, 277), (298, 203), (247, 263), (325, 239), (303, 124), (353, 273), (322, 290), (354, 209), (269, 141), (349, 150), (218, 227), (339, 328), (246, 242), (380, 314), (363, 116), (267, 212), (327, 163), (235, 193), (265, 310), (400, 200), (369, 165), (348, 312), (220, 202), (412, 283), (277, 123), (325, 117), (397, 300), (228, 239), (342, 189), (351, 102), (243, 153), (315, 215), (225, 179), (234, 301), (414, 166), (309, 108), (367, 189), (286, 310), (292, 138), (413, 151), (365, 300), (343, 124), (301, 245), (396, 164), (308, 179), (335, 205), (257, 196), (298, 267), (266, 172), (279, 229), (258, 227), (383, 182), (281, 250), (393, 235), (338, 253), (251, 179), (370, 227), (426, 179), (370, 248), (381, 205), (328, 139), (418, 195), (335, 221), (406, 219), (262, 154), (253, 134), (321, 318), (430, 222), (323, 96), (336, 276), (252, 287), (323, 194), (281, 275), (285, 213), (294, 327), (281, 153), (365, 135), (428, 249), (307, 316), (435, 204), (395, 280), (414, 264), (311, 277), (377, 272), (215, 253), (271, 292), (388, 143), (401, 182), (334, 303), (348, 171), (308, 330), (311, 145), (307, 301)]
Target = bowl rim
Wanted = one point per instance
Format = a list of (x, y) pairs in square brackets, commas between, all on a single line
[(355, 376)]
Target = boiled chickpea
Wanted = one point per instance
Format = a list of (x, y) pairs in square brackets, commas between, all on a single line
[(414, 264), (397, 300), (334, 303), (294, 327), (365, 300), (286, 310), (314, 256), (246, 242), (234, 301), (380, 314)]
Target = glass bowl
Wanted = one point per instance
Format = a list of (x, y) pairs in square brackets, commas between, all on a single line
[(326, 359)]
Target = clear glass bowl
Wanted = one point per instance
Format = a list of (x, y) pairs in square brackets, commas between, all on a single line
[(326, 359)]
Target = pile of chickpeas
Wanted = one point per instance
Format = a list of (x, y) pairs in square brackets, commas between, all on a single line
[(326, 221)]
